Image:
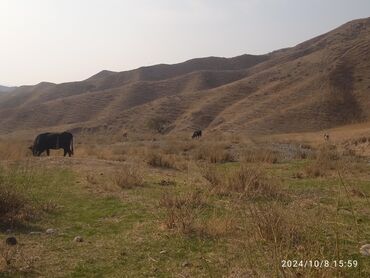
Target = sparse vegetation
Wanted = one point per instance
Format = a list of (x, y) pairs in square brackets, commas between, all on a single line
[(214, 153), (216, 207), (158, 159), (127, 177)]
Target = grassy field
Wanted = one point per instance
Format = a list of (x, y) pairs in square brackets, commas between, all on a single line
[(172, 207)]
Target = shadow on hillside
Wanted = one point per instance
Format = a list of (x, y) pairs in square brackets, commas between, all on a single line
[(342, 104)]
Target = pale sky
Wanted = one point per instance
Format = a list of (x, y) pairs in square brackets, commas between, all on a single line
[(67, 40)]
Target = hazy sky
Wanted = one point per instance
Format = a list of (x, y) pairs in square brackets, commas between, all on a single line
[(67, 40)]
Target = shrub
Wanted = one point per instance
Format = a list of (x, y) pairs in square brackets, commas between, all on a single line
[(12, 203), (157, 159), (248, 180), (214, 153), (128, 177), (183, 211), (326, 160), (260, 155)]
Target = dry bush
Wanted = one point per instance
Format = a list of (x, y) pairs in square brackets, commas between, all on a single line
[(259, 155), (183, 211), (13, 203), (92, 179), (178, 146), (16, 202), (218, 226), (158, 159), (214, 153), (167, 182), (128, 177), (213, 175), (324, 162), (277, 225), (14, 150), (248, 181), (187, 214), (16, 262), (253, 183), (119, 150), (49, 206)]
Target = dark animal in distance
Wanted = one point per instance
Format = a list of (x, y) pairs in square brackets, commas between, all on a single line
[(46, 141), (197, 134)]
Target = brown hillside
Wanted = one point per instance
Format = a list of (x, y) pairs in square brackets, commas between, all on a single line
[(318, 84)]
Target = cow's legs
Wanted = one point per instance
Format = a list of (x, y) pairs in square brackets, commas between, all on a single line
[(48, 152), (65, 152)]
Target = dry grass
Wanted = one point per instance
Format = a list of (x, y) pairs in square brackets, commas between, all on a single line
[(13, 203), (183, 211), (127, 177), (187, 214), (214, 152), (158, 159), (273, 223), (259, 155), (324, 163), (15, 260), (14, 150), (248, 181)]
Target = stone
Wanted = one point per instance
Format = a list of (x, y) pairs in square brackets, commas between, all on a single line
[(365, 249), (35, 233), (78, 239), (50, 231)]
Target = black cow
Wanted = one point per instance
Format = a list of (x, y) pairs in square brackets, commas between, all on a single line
[(46, 141), (197, 134)]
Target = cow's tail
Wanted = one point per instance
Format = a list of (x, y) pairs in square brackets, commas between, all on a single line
[(72, 145)]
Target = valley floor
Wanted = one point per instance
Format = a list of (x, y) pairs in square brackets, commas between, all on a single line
[(230, 207)]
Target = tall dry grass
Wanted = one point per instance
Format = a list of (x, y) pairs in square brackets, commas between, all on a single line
[(14, 149), (248, 181), (324, 163), (128, 176), (213, 152), (189, 214)]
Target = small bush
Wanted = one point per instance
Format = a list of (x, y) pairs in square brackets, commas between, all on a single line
[(14, 150), (273, 224), (260, 155), (183, 211), (12, 203), (214, 153), (128, 177), (248, 180), (326, 160), (157, 159), (253, 183)]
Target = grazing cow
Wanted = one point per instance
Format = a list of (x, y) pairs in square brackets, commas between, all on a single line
[(197, 134), (46, 141), (326, 137)]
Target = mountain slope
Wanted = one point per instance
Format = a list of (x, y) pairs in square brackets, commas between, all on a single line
[(4, 89), (318, 84)]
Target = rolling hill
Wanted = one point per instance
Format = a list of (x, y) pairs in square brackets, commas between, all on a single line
[(5, 89), (319, 84)]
